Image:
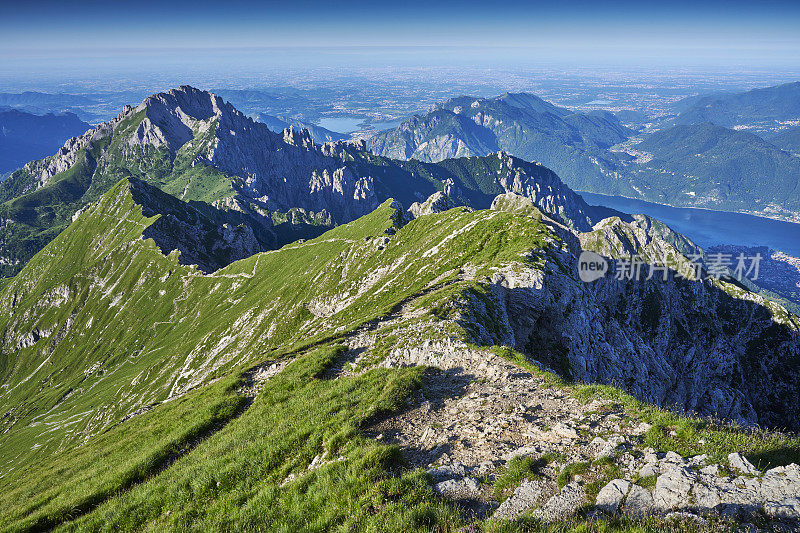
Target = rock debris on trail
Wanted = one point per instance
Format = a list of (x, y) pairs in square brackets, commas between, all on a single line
[(477, 412)]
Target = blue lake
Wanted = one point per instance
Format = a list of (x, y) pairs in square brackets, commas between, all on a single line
[(708, 228), (341, 124)]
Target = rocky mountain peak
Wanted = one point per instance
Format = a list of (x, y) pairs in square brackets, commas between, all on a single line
[(436, 203)]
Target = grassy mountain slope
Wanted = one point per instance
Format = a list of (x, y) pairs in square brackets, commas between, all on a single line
[(167, 328), (115, 328), (720, 168)]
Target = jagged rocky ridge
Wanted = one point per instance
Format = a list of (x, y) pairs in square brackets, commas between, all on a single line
[(205, 236), (194, 146)]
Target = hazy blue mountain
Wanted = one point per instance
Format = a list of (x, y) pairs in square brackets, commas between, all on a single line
[(25, 136), (788, 140), (574, 145), (44, 101), (711, 166), (781, 102)]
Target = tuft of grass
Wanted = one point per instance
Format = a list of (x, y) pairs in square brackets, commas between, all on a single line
[(517, 470), (571, 470), (648, 482)]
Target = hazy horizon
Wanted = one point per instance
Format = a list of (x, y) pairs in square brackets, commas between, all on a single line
[(100, 38)]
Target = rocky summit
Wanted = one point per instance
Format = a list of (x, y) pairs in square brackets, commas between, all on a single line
[(211, 326)]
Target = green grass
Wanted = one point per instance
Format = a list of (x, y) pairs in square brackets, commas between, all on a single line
[(648, 482), (74, 482), (517, 470), (236, 478), (571, 470)]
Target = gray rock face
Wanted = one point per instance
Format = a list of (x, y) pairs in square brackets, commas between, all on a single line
[(610, 497), (683, 491), (548, 193), (740, 463), (527, 496), (649, 336), (781, 482), (279, 170), (639, 503), (436, 203), (458, 489), (787, 509), (563, 505), (515, 203), (673, 488)]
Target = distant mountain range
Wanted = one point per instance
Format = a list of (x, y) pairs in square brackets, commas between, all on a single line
[(770, 104), (198, 148), (574, 145), (712, 166), (44, 101), (26, 136), (689, 164)]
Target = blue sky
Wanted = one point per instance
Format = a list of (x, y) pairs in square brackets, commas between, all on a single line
[(748, 32)]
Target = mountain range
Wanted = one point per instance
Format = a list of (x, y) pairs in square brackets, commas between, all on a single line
[(757, 106), (213, 326), (25, 136), (574, 145), (711, 166), (193, 145), (697, 159)]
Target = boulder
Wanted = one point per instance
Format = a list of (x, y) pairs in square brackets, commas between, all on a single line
[(563, 505), (610, 497), (525, 497)]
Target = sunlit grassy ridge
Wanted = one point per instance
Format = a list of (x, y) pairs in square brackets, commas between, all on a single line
[(65, 485), (121, 326), (236, 479), (101, 323)]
